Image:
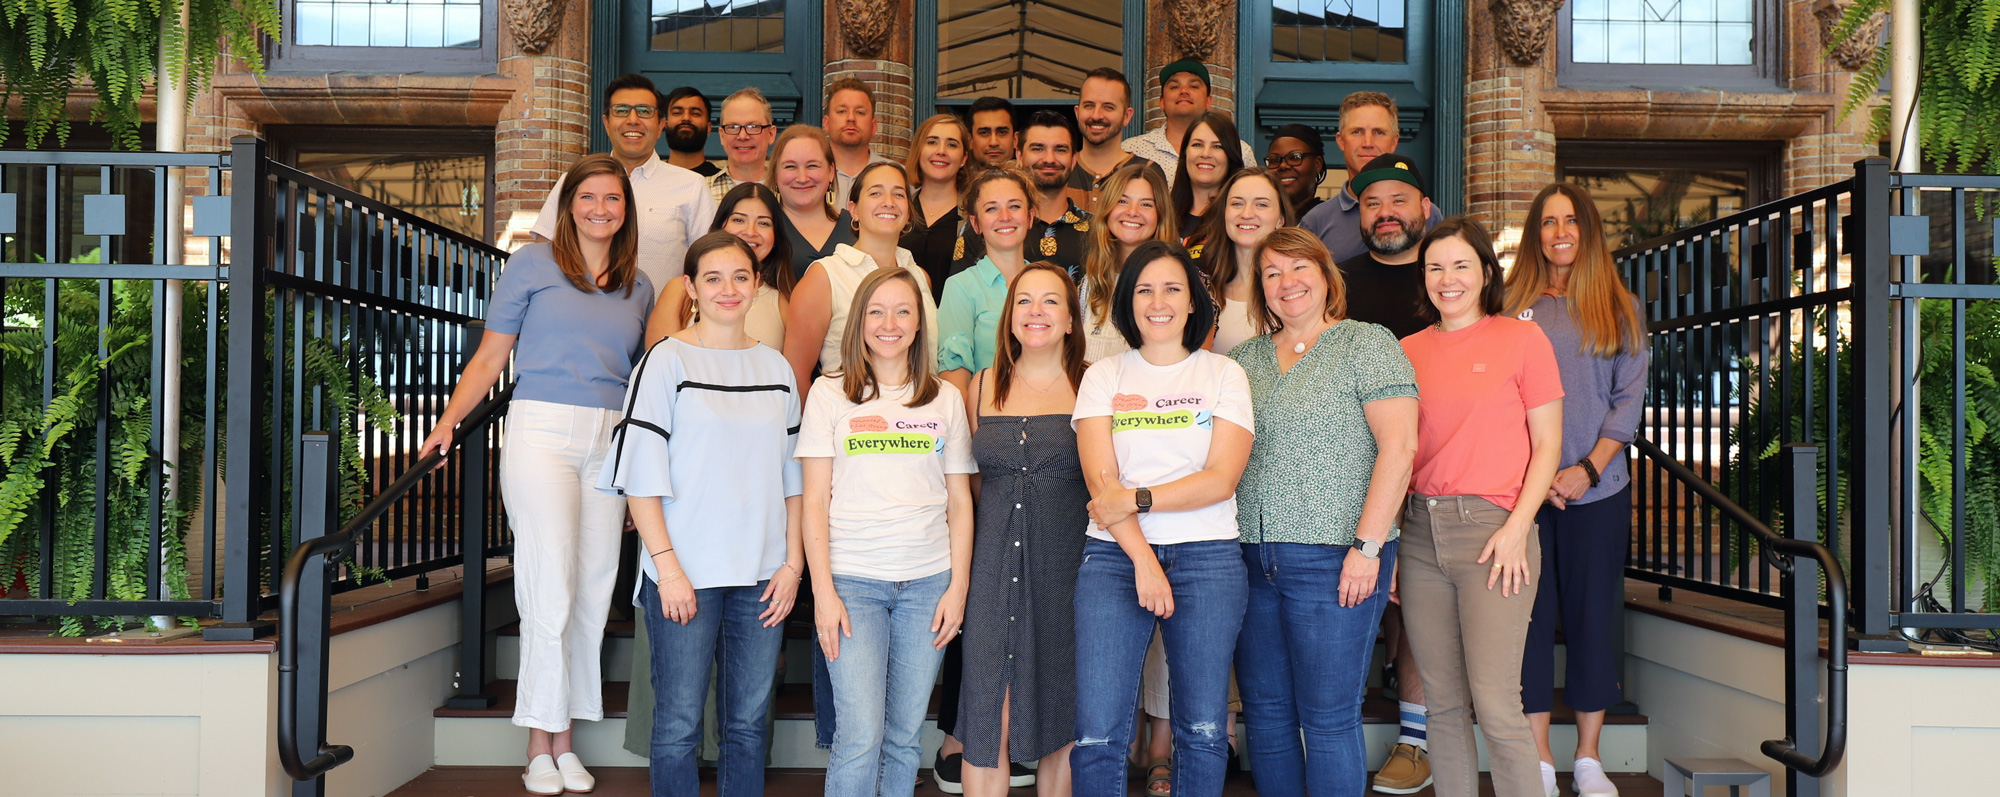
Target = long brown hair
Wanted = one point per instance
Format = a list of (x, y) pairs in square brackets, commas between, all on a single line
[(623, 270), (1600, 304), (775, 270), (1008, 350), (1218, 252), (1224, 129), (794, 133), (857, 374), (914, 163), (1300, 243), (1101, 258)]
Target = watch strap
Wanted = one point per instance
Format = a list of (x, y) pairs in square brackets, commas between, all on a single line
[(1143, 498)]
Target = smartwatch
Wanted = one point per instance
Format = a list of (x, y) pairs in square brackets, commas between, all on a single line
[(1369, 548), (1144, 499)]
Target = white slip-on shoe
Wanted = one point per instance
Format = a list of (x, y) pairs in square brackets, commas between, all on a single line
[(1549, 786), (542, 776), (1590, 780), (574, 777)]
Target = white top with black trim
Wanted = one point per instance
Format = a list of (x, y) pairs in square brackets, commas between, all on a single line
[(711, 433)]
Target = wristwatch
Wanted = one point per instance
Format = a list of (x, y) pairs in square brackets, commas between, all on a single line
[(1144, 499), (1369, 548)]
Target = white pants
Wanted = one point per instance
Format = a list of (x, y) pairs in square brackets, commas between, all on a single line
[(565, 556)]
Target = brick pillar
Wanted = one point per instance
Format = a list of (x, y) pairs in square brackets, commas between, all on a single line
[(1510, 148), (887, 72), (1162, 49), (544, 128), (1826, 151)]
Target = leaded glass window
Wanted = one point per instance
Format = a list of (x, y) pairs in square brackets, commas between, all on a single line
[(386, 23), (1368, 31), (1681, 32)]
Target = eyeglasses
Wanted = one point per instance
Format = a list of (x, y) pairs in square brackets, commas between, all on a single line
[(644, 111), (749, 130), (1295, 158)]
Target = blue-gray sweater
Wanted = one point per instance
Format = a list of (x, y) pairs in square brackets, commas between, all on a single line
[(1602, 397)]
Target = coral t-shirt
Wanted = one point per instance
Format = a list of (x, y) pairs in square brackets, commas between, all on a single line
[(1474, 389)]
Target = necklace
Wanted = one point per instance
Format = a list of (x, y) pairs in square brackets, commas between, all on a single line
[(1045, 385), (1300, 347)]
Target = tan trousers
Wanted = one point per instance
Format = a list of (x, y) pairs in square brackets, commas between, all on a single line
[(1468, 640)]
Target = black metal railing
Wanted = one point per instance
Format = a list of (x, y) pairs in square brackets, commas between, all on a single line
[(1858, 318), (307, 581), (306, 307)]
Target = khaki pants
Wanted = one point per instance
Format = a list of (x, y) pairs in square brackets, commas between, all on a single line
[(1468, 640)]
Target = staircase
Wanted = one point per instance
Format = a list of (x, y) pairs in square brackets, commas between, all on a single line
[(487, 736)]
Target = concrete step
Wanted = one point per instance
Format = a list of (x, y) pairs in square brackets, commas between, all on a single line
[(488, 737)]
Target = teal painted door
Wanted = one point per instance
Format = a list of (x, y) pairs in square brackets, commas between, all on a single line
[(1297, 59), (717, 46)]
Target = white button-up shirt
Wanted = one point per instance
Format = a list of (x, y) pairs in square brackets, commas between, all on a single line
[(672, 206)]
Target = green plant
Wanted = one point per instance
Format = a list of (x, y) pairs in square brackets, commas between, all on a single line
[(1958, 80), (47, 46)]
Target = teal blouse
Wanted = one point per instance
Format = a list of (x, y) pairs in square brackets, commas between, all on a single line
[(969, 317), (1314, 453)]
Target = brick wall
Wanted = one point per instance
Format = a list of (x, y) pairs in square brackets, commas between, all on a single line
[(1510, 150), (540, 133), (895, 87), (1160, 51)]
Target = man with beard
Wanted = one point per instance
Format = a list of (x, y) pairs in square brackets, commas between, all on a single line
[(1184, 98), (850, 121), (1048, 154), (1103, 109), (687, 131), (1297, 158), (671, 205), (1368, 130), (1385, 284), (993, 140)]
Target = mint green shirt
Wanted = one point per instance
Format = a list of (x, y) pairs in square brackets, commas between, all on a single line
[(1314, 453), (969, 317)]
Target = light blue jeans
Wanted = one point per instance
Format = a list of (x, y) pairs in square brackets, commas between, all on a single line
[(882, 684)]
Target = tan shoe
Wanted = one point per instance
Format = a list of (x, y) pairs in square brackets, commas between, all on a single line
[(1407, 771)]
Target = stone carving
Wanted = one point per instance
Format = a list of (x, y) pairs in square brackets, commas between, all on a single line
[(534, 23), (1195, 27), (865, 25), (1859, 48), (1523, 27)]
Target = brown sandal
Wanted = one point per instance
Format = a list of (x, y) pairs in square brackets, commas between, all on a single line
[(1160, 778)]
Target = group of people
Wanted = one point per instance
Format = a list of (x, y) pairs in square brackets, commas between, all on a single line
[(1118, 434)]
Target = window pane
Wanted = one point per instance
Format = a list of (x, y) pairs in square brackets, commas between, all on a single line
[(386, 23), (1662, 32), (725, 26), (985, 47), (1644, 203), (448, 189), (1338, 30)]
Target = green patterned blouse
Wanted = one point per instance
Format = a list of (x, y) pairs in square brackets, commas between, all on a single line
[(1314, 453)]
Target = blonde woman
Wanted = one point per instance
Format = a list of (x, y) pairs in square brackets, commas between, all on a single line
[(1135, 206)]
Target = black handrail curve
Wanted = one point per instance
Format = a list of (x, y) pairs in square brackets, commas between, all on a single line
[(333, 755), (1785, 751)]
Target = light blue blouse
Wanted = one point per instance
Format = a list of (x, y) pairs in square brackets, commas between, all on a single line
[(575, 347), (711, 432), (969, 317)]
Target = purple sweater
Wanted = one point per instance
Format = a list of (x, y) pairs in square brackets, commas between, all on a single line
[(1602, 397)]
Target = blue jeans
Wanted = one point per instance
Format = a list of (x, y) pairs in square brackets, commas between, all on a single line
[(725, 629), (882, 684), (1302, 662), (1112, 632)]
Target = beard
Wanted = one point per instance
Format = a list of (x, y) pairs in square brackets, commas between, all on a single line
[(685, 138), (1051, 184), (1396, 243)]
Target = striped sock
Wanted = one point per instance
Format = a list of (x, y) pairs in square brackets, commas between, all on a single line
[(1413, 726)]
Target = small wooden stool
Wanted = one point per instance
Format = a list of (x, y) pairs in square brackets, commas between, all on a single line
[(1701, 773)]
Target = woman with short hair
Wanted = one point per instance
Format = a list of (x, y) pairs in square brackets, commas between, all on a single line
[(999, 208)]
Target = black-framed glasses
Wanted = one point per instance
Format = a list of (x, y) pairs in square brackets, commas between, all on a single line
[(1295, 158), (644, 111), (730, 130)]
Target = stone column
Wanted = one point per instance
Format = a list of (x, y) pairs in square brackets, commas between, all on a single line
[(1510, 147), (873, 41), (1826, 150), (546, 126), (1201, 30)]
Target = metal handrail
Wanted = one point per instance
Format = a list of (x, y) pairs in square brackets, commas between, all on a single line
[(333, 755), (1785, 751)]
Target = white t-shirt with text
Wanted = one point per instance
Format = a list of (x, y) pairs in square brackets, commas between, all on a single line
[(1162, 420)]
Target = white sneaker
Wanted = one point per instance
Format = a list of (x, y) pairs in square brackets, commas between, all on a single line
[(1549, 787), (1590, 780), (574, 777), (542, 776)]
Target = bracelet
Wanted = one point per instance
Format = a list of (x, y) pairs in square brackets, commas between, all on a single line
[(656, 554), (796, 575), (1589, 470), (678, 574)]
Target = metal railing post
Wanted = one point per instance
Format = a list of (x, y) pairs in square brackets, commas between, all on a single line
[(1800, 586), (248, 372), (472, 542), (307, 690), (1871, 531)]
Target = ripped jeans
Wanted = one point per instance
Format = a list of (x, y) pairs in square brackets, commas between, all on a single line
[(1211, 588)]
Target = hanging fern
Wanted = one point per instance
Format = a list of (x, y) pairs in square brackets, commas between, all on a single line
[(1958, 81), (49, 46)]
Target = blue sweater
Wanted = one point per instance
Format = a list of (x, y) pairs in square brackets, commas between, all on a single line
[(1602, 397)]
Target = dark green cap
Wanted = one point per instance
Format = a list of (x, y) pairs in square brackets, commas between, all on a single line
[(1187, 65), (1388, 167)]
